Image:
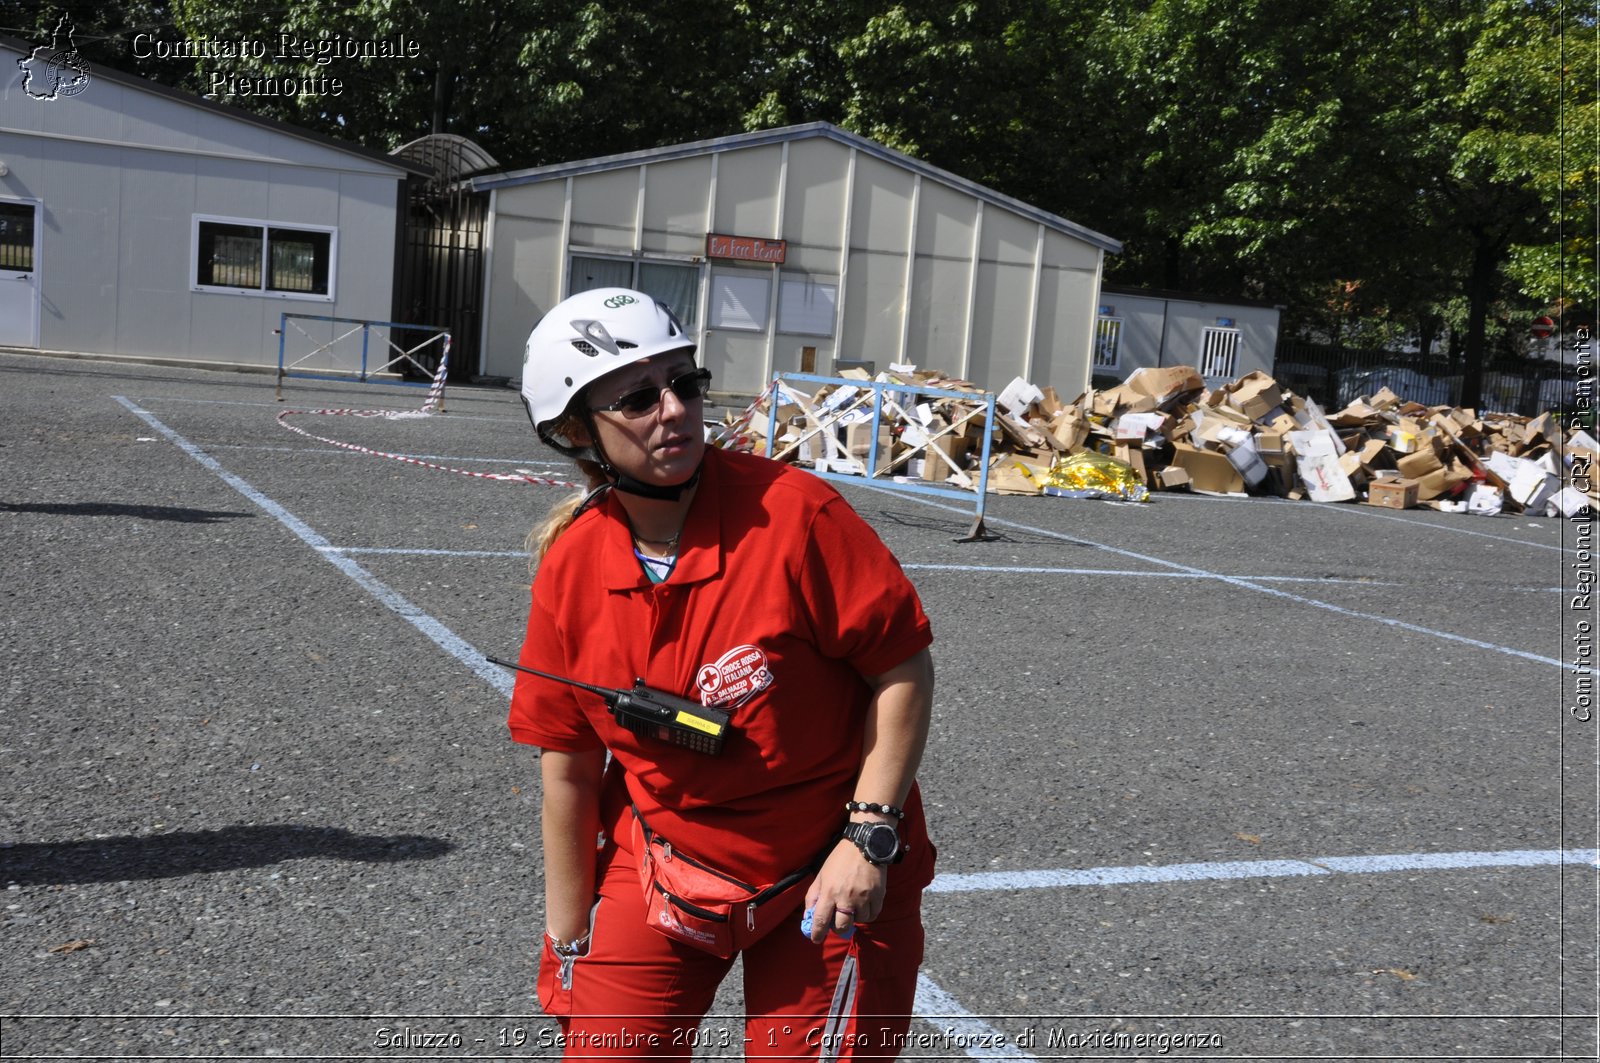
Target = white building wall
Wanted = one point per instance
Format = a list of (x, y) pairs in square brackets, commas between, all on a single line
[(1146, 319), (675, 206), (604, 209), (527, 264), (122, 172), (1002, 307)]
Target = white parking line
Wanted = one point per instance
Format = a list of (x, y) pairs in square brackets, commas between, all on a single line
[(366, 399), (1049, 571), (959, 1027), (417, 552), (1375, 513), (1234, 869), (1246, 584)]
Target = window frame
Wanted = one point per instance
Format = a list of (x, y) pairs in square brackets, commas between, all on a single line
[(266, 229), (688, 317), (1107, 337), (761, 316), (787, 280), (1213, 336)]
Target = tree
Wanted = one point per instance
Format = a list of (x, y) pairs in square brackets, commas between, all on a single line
[(1368, 158), (1562, 166)]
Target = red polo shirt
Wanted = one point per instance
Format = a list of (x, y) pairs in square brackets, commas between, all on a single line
[(782, 600)]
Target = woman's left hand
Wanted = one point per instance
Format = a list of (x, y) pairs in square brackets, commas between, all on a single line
[(848, 890)]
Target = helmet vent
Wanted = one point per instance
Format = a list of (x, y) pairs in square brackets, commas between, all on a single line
[(586, 347), (624, 345)]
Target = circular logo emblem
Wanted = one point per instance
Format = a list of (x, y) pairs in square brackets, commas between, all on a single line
[(620, 300), (709, 679)]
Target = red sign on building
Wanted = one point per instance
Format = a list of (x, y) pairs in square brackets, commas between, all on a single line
[(746, 248)]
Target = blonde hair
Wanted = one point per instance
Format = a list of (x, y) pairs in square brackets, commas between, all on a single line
[(561, 515)]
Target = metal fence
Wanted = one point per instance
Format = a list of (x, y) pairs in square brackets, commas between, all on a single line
[(1335, 376)]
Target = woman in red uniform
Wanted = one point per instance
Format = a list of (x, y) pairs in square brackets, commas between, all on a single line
[(749, 588)]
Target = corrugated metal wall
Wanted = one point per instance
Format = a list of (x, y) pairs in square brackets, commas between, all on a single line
[(925, 272)]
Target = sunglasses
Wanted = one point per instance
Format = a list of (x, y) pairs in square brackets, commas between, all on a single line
[(640, 401)]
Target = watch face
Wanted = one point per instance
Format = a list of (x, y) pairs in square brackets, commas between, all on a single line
[(882, 842)]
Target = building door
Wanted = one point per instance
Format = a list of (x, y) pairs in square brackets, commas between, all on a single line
[(735, 346), (19, 273)]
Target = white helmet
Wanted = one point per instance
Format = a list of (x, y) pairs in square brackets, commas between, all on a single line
[(586, 336)]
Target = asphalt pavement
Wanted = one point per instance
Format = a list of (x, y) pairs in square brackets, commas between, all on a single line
[(1210, 778)]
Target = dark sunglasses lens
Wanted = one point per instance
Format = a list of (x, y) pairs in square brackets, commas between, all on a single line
[(691, 386), (636, 402)]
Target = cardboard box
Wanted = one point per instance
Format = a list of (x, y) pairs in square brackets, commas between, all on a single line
[(1166, 385), (954, 447), (1173, 478), (1324, 480), (1209, 472), (1009, 477), (1569, 502), (1136, 427), (1484, 501), (1402, 441), (1350, 465), (1532, 487), (1256, 395), (1133, 457), (1433, 485), (1392, 493), (1018, 396), (842, 466), (1418, 463), (1070, 428)]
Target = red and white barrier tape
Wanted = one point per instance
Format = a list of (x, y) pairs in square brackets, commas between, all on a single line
[(735, 435), (435, 393), (732, 436)]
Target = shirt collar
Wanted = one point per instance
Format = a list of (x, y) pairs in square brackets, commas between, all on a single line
[(699, 547)]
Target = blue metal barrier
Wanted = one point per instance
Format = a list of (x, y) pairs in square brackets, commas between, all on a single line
[(894, 398), (401, 356)]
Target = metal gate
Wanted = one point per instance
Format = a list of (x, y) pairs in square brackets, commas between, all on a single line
[(439, 277)]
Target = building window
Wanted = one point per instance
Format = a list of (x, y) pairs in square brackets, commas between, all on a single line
[(1107, 342), (1219, 352), (259, 257), (674, 283), (807, 306), (739, 301), (16, 236)]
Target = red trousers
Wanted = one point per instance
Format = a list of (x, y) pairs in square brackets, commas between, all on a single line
[(638, 994)]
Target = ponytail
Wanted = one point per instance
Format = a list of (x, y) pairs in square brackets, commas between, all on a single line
[(561, 515)]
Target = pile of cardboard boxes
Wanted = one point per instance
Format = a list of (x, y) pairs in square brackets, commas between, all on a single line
[(1248, 437)]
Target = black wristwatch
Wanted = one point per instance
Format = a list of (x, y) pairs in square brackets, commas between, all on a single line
[(878, 842)]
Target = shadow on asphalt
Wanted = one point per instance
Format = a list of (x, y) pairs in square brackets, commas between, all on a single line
[(197, 852), (180, 514)]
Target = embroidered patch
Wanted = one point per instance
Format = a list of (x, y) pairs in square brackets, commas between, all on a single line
[(735, 678)]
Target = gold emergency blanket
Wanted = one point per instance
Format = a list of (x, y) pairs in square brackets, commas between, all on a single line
[(1090, 475)]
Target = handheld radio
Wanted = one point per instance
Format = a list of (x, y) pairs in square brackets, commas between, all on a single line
[(651, 713)]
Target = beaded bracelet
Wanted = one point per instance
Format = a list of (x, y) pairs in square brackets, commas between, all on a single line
[(873, 806)]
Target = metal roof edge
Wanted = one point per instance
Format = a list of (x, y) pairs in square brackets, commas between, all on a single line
[(1188, 297), (155, 88), (808, 130)]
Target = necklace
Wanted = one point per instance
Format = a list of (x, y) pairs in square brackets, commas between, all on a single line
[(670, 544)]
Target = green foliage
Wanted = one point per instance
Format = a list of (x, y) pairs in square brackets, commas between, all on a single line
[(1423, 169)]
